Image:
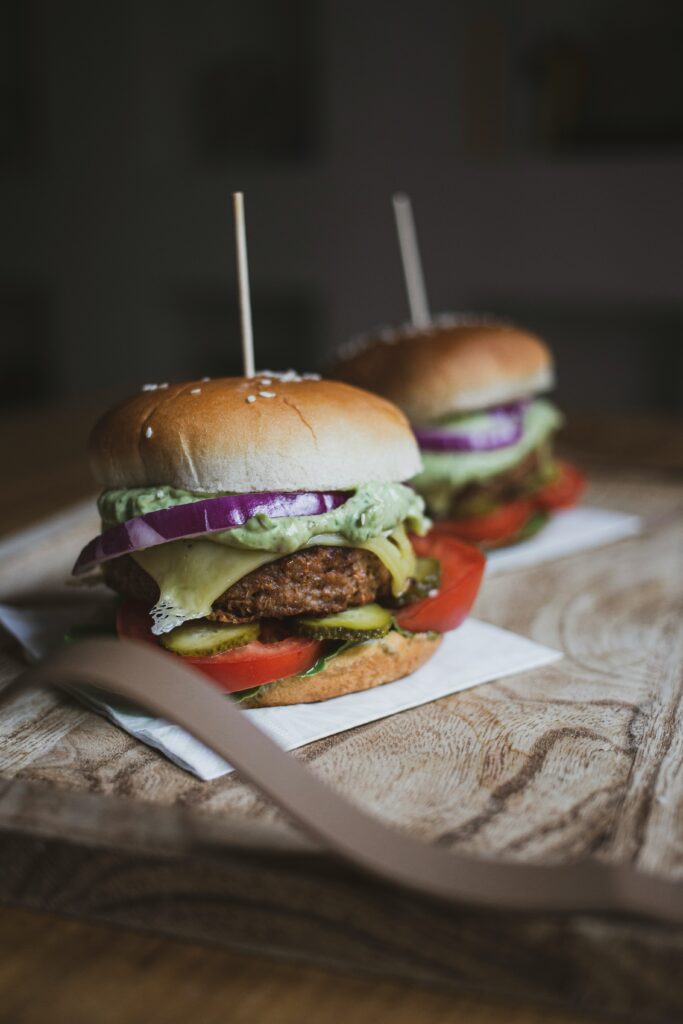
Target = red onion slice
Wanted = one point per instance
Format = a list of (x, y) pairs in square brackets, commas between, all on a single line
[(206, 516), (504, 428)]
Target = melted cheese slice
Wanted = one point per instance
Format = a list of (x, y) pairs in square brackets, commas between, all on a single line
[(191, 575), (396, 553)]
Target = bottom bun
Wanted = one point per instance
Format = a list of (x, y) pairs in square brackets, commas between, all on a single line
[(370, 664)]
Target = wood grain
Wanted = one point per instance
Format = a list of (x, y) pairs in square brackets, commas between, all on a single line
[(92, 973), (581, 756)]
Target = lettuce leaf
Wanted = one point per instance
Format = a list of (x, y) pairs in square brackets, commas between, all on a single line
[(322, 662)]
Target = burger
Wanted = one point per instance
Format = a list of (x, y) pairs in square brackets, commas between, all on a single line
[(472, 389), (259, 528)]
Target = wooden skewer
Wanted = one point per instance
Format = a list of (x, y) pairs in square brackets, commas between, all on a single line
[(243, 285), (412, 264)]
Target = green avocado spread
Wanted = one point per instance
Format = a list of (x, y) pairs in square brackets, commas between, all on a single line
[(456, 469), (373, 510)]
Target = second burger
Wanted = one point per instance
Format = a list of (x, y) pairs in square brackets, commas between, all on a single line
[(473, 388)]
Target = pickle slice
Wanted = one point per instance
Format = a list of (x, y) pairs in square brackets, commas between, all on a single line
[(201, 639), (427, 578), (366, 622)]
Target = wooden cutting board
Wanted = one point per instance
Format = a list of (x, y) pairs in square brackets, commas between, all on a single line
[(584, 756)]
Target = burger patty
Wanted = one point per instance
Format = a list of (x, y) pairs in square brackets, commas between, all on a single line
[(316, 581)]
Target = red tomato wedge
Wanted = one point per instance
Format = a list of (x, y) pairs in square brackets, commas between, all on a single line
[(253, 664), (493, 528), (562, 492), (462, 568)]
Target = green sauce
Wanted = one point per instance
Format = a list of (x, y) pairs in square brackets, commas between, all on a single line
[(373, 510), (455, 469)]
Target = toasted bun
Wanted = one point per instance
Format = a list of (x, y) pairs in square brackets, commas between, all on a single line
[(361, 668), (265, 433), (448, 368)]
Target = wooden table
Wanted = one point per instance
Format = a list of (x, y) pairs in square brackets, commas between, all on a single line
[(57, 969)]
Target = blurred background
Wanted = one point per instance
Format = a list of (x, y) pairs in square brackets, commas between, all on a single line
[(541, 142)]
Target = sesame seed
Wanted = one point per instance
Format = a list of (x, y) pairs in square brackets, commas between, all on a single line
[(149, 387), (251, 398), (285, 376), (267, 394), (148, 432), (206, 378), (433, 592), (195, 391), (164, 385)]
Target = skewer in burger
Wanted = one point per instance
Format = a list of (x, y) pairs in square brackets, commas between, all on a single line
[(258, 529), (472, 389)]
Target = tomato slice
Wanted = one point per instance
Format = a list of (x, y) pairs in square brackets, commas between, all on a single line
[(564, 491), (462, 567), (493, 528), (254, 664)]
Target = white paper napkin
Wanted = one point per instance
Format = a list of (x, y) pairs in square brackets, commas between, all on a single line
[(475, 653), (567, 533)]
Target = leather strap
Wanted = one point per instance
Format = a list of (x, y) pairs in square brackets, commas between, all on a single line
[(173, 691)]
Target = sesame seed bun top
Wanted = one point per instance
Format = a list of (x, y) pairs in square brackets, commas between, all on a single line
[(271, 432), (455, 365)]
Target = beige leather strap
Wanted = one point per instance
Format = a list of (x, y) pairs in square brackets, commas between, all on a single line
[(170, 689)]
